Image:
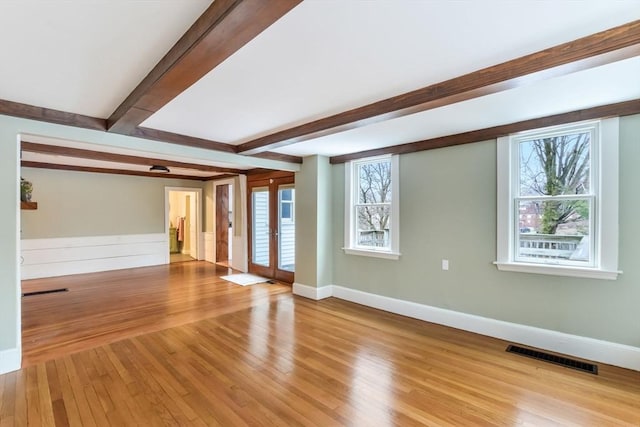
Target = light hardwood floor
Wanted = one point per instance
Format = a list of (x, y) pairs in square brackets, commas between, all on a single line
[(176, 345)]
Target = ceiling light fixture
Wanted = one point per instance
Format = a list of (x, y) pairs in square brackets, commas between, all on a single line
[(160, 169)]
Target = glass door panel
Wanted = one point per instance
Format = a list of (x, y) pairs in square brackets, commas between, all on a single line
[(286, 228), (260, 226)]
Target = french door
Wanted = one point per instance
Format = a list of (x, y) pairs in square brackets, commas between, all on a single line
[(272, 227)]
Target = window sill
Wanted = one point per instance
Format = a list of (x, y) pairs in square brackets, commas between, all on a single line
[(374, 254), (556, 270)]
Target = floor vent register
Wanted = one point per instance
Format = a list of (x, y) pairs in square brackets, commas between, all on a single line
[(551, 358)]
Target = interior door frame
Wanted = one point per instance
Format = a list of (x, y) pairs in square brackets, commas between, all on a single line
[(272, 181), (167, 221)]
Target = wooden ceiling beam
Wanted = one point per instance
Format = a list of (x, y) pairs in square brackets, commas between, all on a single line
[(56, 166), (591, 51), (188, 141), (271, 155), (191, 141), (25, 111), (31, 112), (619, 109), (119, 158), (224, 28)]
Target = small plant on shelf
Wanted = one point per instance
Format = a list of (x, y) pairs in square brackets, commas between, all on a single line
[(26, 189)]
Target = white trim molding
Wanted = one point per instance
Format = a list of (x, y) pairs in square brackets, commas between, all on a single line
[(350, 219), (603, 193), (10, 360), (621, 355), (209, 239), (78, 255), (559, 270), (312, 292)]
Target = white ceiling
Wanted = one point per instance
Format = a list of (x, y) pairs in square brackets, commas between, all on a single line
[(86, 56), (598, 86), (322, 58), (325, 57)]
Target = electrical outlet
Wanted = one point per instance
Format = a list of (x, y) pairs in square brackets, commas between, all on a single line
[(445, 264)]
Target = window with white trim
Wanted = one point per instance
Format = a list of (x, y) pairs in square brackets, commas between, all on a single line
[(372, 207), (558, 200)]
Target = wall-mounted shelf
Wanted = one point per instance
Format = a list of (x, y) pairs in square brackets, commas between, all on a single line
[(29, 205)]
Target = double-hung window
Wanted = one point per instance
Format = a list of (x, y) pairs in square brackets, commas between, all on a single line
[(371, 207), (558, 200)]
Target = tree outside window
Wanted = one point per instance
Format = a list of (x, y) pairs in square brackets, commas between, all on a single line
[(373, 208), (557, 194), (555, 200), (372, 226)]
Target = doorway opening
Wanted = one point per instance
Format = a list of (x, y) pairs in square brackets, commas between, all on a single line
[(183, 223)]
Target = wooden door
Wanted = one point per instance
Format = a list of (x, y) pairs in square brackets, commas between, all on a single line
[(272, 227), (222, 223)]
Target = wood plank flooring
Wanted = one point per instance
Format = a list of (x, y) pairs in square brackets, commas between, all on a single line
[(256, 355), (104, 307)]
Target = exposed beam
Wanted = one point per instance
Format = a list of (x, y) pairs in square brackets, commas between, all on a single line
[(223, 176), (24, 111), (119, 158), (56, 166), (595, 50), (32, 112), (224, 28), (619, 109), (190, 141), (279, 156), (175, 138)]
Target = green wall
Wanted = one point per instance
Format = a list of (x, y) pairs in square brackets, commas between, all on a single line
[(75, 204), (313, 222), (448, 211), (9, 211)]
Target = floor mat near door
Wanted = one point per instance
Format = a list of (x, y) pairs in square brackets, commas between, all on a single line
[(244, 279)]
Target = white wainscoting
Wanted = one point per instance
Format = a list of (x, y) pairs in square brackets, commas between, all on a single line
[(9, 360), (611, 353), (76, 255), (209, 246)]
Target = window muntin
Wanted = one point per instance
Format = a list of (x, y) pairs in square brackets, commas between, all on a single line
[(371, 209)]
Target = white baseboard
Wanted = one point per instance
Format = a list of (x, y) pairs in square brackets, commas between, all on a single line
[(312, 292), (77, 255), (9, 360), (621, 355)]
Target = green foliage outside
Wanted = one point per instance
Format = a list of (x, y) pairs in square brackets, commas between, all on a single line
[(557, 166)]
